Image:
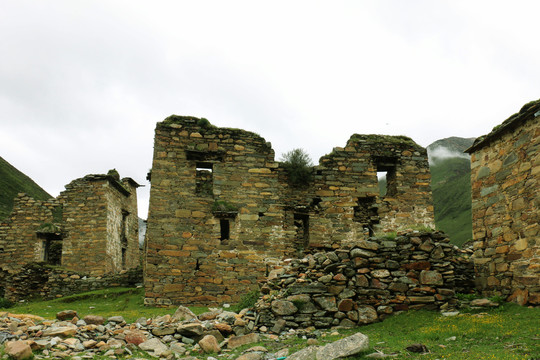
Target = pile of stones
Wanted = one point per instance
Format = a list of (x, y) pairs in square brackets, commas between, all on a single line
[(376, 278), (175, 336), (180, 336)]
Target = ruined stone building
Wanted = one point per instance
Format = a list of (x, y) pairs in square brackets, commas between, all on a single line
[(223, 212), (505, 174), (91, 228)]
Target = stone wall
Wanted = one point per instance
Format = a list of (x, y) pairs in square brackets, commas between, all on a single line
[(367, 283), (101, 225), (505, 172), (18, 238), (38, 280), (91, 227), (223, 213)]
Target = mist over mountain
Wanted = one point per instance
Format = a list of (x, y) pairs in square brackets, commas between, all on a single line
[(452, 147), (451, 186)]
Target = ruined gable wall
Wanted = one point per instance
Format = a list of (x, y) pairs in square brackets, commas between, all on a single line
[(85, 227), (190, 258), (92, 217), (19, 243), (505, 202), (346, 182)]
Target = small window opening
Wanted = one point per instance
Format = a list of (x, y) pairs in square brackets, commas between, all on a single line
[(225, 228), (52, 253), (261, 214), (204, 182), (386, 175), (381, 178), (124, 238), (197, 265), (301, 222)]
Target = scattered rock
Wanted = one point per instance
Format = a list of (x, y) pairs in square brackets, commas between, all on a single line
[(154, 345), (66, 315), (18, 350), (237, 341), (183, 314), (94, 319), (348, 346), (251, 356), (209, 344), (308, 353), (417, 348), (483, 303), (134, 337), (60, 331)]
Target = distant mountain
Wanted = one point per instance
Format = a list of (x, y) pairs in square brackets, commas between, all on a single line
[(452, 145), (451, 186), (12, 182)]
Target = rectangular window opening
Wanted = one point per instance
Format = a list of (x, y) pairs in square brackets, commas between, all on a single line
[(386, 175), (382, 181), (52, 253), (204, 181), (301, 222), (225, 229)]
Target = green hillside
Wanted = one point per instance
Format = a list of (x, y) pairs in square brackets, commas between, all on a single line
[(12, 182), (451, 186)]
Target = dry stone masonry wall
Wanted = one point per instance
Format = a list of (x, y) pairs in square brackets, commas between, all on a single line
[(91, 228), (505, 173), (367, 283), (223, 213), (39, 280)]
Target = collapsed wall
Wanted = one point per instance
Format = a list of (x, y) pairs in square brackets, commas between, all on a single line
[(92, 228), (39, 280), (367, 283), (223, 212)]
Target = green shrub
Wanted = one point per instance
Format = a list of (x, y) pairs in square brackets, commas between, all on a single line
[(248, 301), (223, 206), (5, 303), (204, 123), (298, 165)]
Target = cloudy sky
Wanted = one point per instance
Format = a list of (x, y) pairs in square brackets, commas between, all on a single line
[(83, 83)]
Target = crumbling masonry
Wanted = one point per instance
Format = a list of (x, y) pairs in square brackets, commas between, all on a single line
[(223, 213), (91, 228)]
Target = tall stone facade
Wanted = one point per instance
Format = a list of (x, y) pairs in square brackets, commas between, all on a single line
[(223, 213), (91, 228), (505, 172)]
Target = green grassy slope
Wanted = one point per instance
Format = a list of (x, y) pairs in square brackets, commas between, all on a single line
[(451, 186), (12, 182)]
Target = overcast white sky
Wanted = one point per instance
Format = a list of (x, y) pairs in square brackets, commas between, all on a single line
[(83, 83)]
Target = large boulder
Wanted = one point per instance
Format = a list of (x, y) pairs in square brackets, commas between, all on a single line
[(348, 346)]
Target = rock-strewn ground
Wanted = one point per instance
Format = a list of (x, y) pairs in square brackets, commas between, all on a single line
[(180, 336)]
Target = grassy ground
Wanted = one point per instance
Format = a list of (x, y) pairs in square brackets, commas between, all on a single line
[(508, 332), (115, 301)]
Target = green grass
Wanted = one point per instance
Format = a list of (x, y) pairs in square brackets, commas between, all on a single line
[(510, 332), (126, 302), (12, 182), (507, 332), (451, 186)]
